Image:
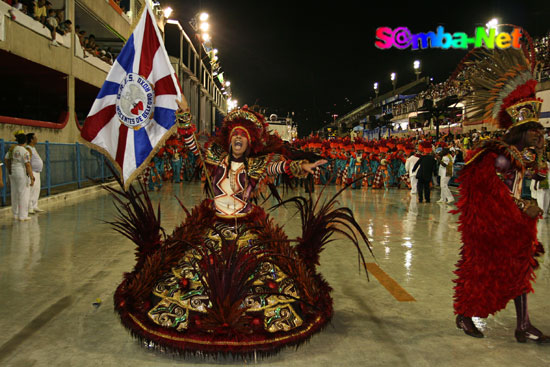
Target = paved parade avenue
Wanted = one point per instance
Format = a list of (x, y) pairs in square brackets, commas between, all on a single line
[(58, 273)]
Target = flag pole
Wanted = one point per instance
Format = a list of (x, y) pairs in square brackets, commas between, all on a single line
[(183, 119), (206, 174)]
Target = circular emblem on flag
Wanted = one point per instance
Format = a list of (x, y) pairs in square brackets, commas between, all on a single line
[(134, 103)]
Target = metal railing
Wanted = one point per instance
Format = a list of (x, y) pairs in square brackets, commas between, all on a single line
[(64, 165)]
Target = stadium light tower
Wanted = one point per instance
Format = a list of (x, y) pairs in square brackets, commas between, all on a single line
[(493, 23), (417, 70)]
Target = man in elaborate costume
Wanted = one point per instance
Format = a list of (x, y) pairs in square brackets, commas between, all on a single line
[(498, 227)]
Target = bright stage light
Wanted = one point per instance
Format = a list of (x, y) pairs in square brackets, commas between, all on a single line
[(203, 17), (204, 27), (167, 12)]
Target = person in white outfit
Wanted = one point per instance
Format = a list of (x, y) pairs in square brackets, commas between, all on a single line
[(540, 190), (21, 178), (36, 165), (445, 174), (409, 164)]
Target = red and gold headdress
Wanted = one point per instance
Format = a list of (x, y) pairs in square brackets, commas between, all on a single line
[(251, 122), (502, 86)]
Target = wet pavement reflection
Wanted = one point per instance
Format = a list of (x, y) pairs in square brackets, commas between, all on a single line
[(54, 267)]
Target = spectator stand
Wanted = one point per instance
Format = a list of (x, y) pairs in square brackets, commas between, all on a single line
[(27, 21)]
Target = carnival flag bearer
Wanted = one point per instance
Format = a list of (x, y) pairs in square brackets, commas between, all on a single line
[(36, 165), (21, 177), (498, 226)]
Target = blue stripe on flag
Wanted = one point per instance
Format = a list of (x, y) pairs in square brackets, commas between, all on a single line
[(108, 88), (142, 146), (165, 117), (544, 114), (126, 56)]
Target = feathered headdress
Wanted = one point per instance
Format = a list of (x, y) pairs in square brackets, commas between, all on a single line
[(425, 146), (251, 122), (502, 85)]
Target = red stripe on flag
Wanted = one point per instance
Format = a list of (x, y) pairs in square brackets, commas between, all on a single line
[(121, 147), (165, 86), (149, 47), (94, 124)]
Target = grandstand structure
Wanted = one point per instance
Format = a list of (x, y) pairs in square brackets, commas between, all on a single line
[(423, 107), (48, 88)]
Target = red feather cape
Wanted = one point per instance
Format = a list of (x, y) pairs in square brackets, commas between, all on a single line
[(499, 242)]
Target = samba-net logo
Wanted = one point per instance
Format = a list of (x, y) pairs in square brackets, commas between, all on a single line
[(402, 38)]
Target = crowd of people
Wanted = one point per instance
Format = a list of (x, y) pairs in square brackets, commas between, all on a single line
[(459, 86), (43, 12), (418, 163), (90, 47), (542, 47), (54, 19)]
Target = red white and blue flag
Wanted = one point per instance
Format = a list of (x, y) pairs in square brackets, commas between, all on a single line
[(135, 110)]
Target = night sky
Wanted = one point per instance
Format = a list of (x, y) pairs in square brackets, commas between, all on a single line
[(316, 60)]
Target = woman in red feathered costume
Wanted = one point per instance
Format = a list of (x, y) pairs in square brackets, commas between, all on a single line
[(498, 227)]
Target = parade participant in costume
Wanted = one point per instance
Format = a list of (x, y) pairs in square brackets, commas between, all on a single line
[(365, 166), (497, 259), (340, 164), (352, 167), (382, 176), (357, 164), (191, 164), (403, 176), (176, 164), (228, 280), (374, 163), (425, 168), (167, 169), (155, 176), (173, 148), (325, 170)]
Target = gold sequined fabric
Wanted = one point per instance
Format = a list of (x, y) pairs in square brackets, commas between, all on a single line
[(181, 293)]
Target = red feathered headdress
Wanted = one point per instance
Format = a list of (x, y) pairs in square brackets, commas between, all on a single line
[(251, 122), (425, 146)]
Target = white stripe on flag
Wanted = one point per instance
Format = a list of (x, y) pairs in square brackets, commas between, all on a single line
[(160, 67), (129, 156), (138, 40), (155, 132), (100, 104), (166, 101), (107, 138), (116, 74)]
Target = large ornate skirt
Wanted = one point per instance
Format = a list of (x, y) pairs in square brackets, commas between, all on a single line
[(223, 286)]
